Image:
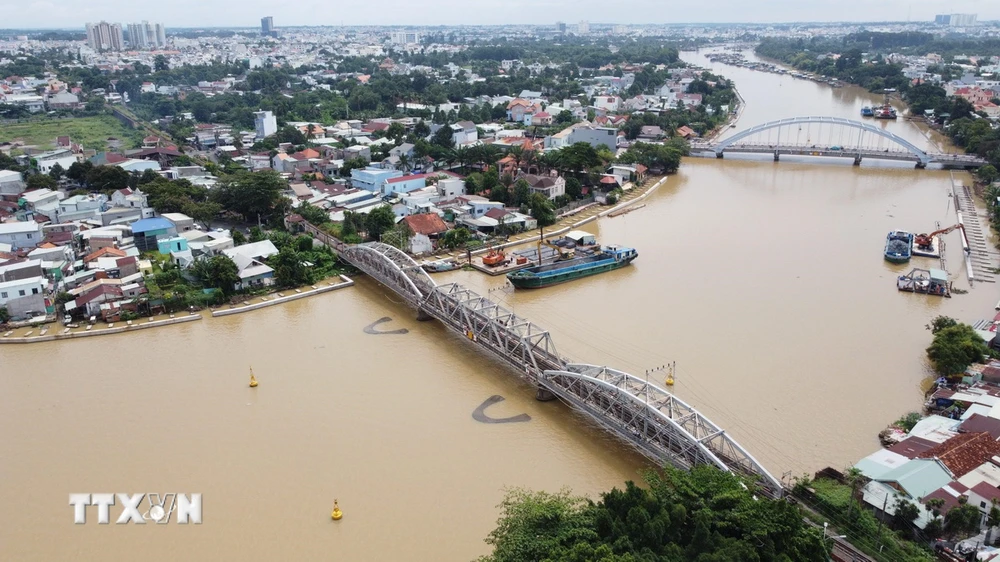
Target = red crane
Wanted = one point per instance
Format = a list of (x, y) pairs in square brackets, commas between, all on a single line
[(924, 241)]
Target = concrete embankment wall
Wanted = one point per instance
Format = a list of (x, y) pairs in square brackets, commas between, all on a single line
[(317, 289), (124, 327), (565, 229)]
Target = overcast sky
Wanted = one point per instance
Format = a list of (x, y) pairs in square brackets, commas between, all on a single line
[(216, 13)]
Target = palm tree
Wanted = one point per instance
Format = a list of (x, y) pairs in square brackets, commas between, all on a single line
[(404, 162), (517, 153), (490, 154), (529, 158), (853, 477), (464, 155)]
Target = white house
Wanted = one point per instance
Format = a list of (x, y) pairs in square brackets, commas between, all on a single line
[(265, 124), (21, 234), (47, 160), (128, 197), (608, 103), (464, 132), (11, 182), (23, 297)]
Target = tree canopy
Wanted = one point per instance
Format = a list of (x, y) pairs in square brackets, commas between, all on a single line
[(253, 195), (955, 347), (705, 515)]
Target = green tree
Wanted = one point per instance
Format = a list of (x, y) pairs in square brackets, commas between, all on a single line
[(395, 131), (4, 314), (941, 322), (421, 130), (906, 513), (256, 196), (541, 208), (987, 174), (204, 212), (962, 520), (289, 269), (107, 178), (41, 181), (313, 214), (160, 63), (443, 137), (573, 188), (238, 237), (955, 348), (455, 238), (218, 272), (352, 164), (57, 172), (379, 221), (522, 192), (78, 171), (705, 515)]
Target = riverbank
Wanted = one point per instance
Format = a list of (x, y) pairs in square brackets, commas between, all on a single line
[(631, 197), (48, 332), (279, 298)]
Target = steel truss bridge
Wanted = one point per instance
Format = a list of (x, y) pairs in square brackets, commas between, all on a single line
[(832, 137), (656, 423)]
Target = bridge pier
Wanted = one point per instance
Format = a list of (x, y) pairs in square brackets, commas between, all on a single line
[(718, 155), (544, 395), (921, 165), (857, 160), (423, 316), (775, 155)]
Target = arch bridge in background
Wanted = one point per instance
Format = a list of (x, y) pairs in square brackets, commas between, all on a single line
[(923, 157)]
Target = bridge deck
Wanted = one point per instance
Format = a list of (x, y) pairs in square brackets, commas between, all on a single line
[(647, 417)]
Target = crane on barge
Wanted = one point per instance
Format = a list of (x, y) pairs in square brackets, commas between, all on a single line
[(925, 241)]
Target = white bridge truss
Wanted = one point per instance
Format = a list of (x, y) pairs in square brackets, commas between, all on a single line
[(658, 424), (654, 421)]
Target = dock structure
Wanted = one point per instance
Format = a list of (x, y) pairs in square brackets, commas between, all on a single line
[(645, 416), (980, 264)]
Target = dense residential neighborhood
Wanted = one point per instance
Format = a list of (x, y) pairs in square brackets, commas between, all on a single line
[(91, 221)]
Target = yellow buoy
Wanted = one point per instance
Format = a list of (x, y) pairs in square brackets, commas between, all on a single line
[(336, 514), (253, 379), (670, 380)]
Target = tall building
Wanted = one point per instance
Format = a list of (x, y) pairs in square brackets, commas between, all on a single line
[(146, 36), (583, 27), (956, 20), (962, 20), (561, 27), (404, 38), (265, 123), (267, 26), (104, 36)]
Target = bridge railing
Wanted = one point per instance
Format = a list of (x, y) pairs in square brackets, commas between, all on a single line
[(654, 421), (657, 422)]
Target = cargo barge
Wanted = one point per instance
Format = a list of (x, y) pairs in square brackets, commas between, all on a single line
[(608, 259)]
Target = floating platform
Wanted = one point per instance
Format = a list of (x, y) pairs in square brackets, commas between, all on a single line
[(933, 252), (925, 281)]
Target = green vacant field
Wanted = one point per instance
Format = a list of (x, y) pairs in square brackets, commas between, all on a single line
[(91, 132)]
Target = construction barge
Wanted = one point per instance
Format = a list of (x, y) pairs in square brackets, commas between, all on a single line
[(926, 282)]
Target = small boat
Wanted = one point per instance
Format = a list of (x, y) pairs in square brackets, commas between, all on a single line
[(440, 265), (898, 246), (885, 112), (867, 111), (608, 259)]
